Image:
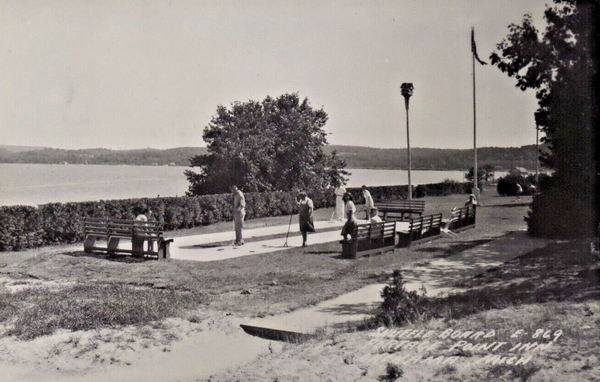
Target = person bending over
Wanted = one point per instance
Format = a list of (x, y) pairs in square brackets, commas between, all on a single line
[(349, 228)]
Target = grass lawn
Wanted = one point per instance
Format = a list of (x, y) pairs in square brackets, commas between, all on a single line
[(547, 299), (64, 291), (277, 282)]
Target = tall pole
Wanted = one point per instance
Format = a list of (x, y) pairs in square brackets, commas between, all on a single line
[(406, 89), (475, 179), (537, 155), (408, 150)]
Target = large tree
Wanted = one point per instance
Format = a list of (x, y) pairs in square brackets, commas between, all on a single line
[(273, 145), (559, 63)]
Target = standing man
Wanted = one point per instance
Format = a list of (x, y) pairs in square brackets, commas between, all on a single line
[(140, 234), (239, 213), (305, 218), (368, 202), (519, 191)]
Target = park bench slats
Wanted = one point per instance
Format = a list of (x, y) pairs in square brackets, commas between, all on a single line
[(95, 221), (113, 230), (422, 228), (400, 208), (462, 218), (371, 238)]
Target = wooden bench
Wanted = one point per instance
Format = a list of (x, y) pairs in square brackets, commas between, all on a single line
[(422, 228), (402, 208), (138, 232), (370, 238), (462, 218)]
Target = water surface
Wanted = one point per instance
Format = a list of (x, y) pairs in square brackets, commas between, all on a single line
[(44, 183)]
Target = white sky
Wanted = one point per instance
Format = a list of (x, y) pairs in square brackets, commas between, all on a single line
[(131, 74)]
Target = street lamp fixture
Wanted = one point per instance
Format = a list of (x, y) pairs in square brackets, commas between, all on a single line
[(538, 121), (406, 89)]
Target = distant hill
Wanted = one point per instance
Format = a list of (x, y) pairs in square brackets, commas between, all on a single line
[(177, 156), (18, 149), (502, 158)]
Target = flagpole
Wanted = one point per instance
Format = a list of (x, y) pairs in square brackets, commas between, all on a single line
[(475, 179)]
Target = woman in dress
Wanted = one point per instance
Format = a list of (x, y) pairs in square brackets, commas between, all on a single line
[(350, 210), (305, 212), (338, 213)]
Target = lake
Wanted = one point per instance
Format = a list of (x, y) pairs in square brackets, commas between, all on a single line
[(33, 184)]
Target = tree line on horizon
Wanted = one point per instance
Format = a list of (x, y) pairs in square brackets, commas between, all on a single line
[(501, 158)]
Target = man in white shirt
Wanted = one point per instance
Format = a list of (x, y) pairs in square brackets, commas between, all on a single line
[(137, 241), (375, 216), (368, 202)]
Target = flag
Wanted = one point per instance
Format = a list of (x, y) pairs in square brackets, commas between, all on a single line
[(474, 48)]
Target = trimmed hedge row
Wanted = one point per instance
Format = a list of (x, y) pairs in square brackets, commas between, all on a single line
[(507, 185), (382, 193), (55, 223)]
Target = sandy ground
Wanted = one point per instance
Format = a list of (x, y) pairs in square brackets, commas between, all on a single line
[(175, 350), (360, 357), (545, 318)]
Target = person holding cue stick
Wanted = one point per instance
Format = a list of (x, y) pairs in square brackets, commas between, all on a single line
[(305, 215)]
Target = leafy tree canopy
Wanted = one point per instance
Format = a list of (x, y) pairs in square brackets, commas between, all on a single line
[(484, 174), (559, 64), (273, 145)]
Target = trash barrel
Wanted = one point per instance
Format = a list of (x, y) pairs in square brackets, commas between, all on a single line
[(348, 249)]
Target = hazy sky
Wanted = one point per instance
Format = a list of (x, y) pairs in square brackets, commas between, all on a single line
[(133, 73)]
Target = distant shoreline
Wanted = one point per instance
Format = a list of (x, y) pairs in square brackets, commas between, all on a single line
[(183, 166), (368, 158)]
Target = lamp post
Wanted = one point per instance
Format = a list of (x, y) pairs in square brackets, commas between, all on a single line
[(538, 117), (407, 90)]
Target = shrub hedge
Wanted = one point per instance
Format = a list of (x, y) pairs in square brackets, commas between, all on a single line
[(382, 193), (24, 227)]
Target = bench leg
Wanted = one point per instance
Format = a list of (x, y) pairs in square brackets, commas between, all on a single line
[(113, 244), (163, 250), (403, 240), (88, 244), (137, 246)]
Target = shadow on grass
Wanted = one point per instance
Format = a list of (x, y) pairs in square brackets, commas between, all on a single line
[(324, 252), (523, 204), (557, 272), (103, 256), (454, 247)]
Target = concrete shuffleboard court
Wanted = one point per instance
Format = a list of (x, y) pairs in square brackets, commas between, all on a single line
[(198, 248)]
